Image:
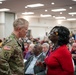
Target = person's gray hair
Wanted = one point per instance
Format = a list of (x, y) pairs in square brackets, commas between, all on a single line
[(46, 44), (20, 22), (32, 45)]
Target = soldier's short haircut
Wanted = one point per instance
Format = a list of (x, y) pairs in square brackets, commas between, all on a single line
[(20, 22)]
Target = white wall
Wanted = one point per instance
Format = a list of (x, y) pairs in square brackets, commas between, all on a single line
[(37, 31), (6, 22), (2, 17), (73, 27), (2, 24), (9, 18), (39, 27), (1, 31)]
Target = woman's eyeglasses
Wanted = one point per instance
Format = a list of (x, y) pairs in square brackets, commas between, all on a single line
[(53, 33)]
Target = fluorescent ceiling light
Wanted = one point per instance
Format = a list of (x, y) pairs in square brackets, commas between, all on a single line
[(52, 3), (70, 7), (57, 10), (45, 10), (27, 13), (45, 15), (59, 17), (60, 12), (4, 9), (73, 0), (2, 0), (71, 19), (72, 13), (59, 21), (34, 5)]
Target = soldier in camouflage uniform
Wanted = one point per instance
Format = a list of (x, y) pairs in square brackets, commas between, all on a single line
[(11, 58)]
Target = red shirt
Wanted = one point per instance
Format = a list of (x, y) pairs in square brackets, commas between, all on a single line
[(59, 62)]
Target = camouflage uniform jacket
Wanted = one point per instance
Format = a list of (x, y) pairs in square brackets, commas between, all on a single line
[(11, 58)]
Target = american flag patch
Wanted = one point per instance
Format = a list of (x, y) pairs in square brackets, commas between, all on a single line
[(6, 47)]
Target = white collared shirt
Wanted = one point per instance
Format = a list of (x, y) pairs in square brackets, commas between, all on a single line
[(30, 69)]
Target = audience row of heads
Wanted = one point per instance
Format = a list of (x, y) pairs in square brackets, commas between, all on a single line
[(42, 48), (62, 32)]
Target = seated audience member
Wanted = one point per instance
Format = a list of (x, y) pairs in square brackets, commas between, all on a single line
[(69, 46), (73, 51), (32, 65), (71, 40), (30, 51), (26, 46), (45, 48)]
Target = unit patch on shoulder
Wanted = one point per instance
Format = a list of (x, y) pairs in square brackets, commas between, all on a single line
[(6, 47)]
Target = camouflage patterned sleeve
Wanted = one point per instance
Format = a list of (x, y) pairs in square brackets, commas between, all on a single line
[(11, 58), (5, 54)]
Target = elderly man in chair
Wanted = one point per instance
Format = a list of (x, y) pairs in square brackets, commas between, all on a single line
[(32, 66)]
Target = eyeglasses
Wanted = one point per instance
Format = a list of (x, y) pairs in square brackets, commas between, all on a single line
[(53, 33)]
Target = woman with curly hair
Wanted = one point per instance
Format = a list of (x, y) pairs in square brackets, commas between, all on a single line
[(59, 62)]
